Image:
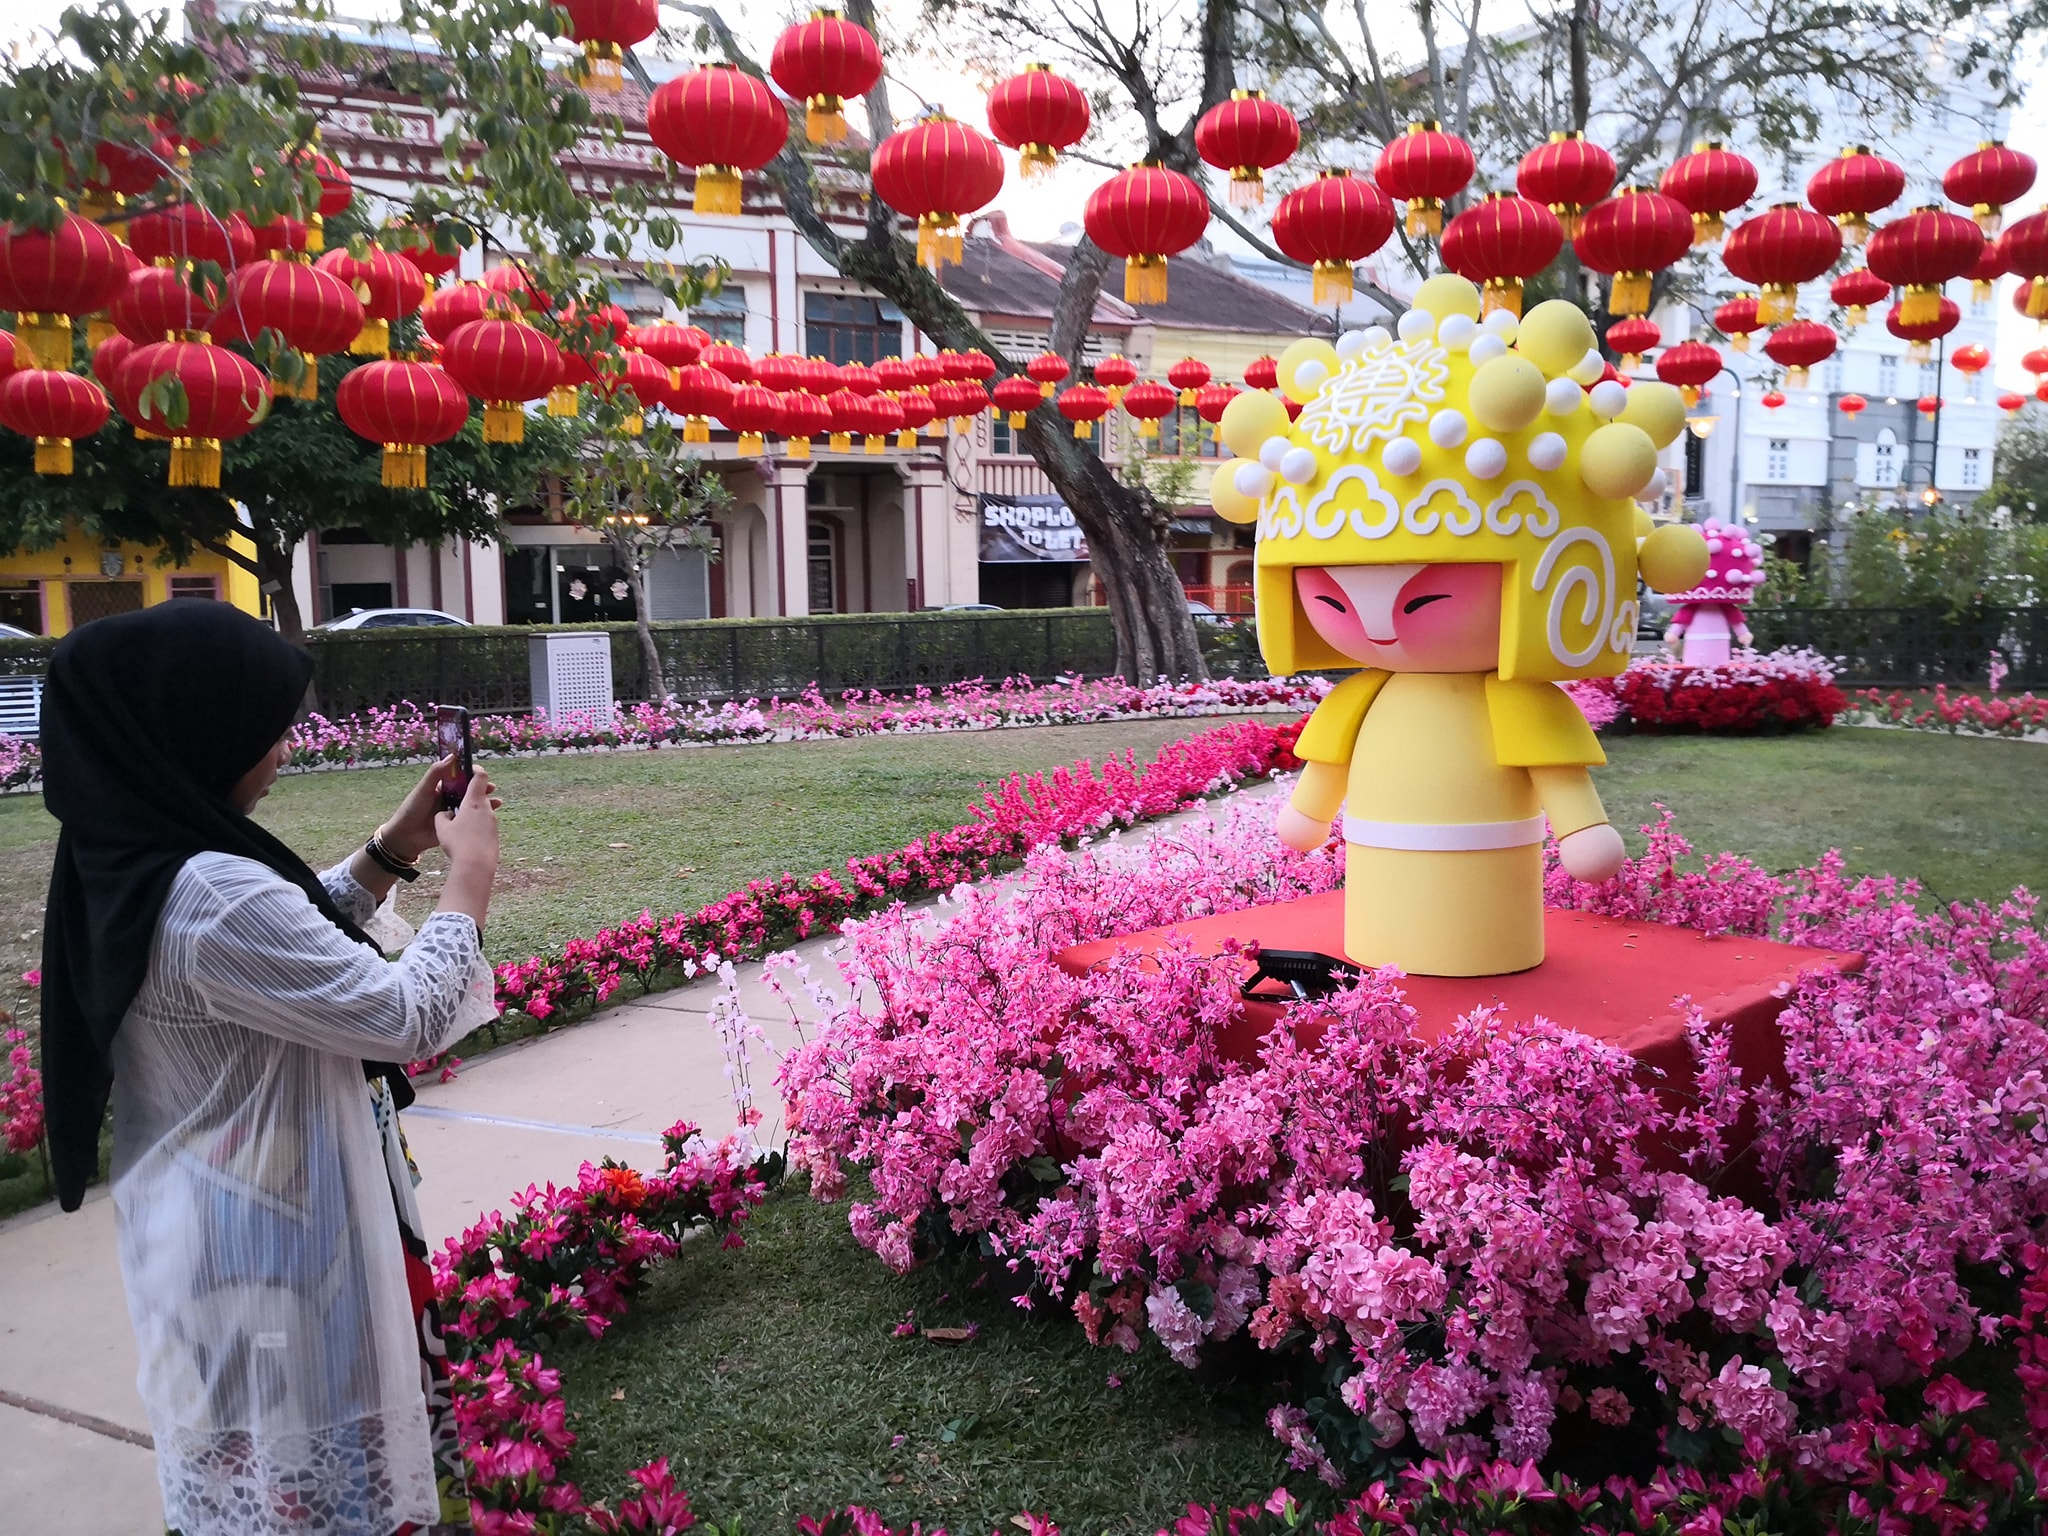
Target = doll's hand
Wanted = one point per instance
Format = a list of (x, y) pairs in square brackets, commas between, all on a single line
[(1743, 635), (1301, 832), (1592, 853)]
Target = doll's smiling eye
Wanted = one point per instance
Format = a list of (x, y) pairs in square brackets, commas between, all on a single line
[(1321, 598), (1414, 603)]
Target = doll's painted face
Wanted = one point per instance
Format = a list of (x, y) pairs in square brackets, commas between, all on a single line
[(1407, 618)]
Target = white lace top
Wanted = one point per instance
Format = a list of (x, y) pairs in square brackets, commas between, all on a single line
[(259, 1242)]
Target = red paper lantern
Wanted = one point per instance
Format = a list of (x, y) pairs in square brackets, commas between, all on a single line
[(1773, 398), (1925, 332), (1049, 369), (1335, 221), (573, 370), (1921, 252), (969, 401), (1929, 406), (821, 62), (47, 276), (2035, 361), (282, 236), (896, 374), (2009, 402), (1148, 404), (1798, 347), (1632, 236), (1984, 182), (1116, 373), (512, 280), (952, 365), (1425, 168), (1778, 250), (640, 379), (1971, 359), (186, 232), (1691, 365), (129, 170), (405, 406), (1858, 292), (1567, 176), (1736, 318), (313, 311), (754, 412), (721, 122), (1262, 373), (847, 414), (804, 416), (1499, 243), (1083, 405), (109, 367), (1145, 215), (1038, 114), (450, 309), (918, 411), (1985, 274), (1632, 338), (780, 372), (55, 407), (729, 360), (1188, 376), (673, 346), (408, 242), (1853, 406), (1852, 187), (337, 194), (884, 413), (1247, 136), (929, 368), (1709, 183), (2023, 248), (606, 29), (1019, 396), (697, 392), (859, 378), (503, 363), (937, 172), (977, 365), (160, 302), (1212, 399), (224, 398), (390, 289)]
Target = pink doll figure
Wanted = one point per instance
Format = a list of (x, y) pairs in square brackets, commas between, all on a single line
[(1445, 837), (1709, 616)]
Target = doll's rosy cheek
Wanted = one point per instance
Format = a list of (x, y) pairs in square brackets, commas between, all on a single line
[(1330, 611), (1450, 612)]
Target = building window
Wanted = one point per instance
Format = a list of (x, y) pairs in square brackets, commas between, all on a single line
[(1831, 376), (849, 328), (1930, 379), (1885, 461), (723, 316), (824, 567), (1973, 468), (1778, 460), (1888, 373), (207, 587), (21, 604), (1185, 435), (1003, 441)]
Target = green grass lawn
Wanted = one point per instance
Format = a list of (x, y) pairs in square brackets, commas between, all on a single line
[(771, 1378)]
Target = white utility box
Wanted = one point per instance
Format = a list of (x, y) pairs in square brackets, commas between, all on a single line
[(572, 673)]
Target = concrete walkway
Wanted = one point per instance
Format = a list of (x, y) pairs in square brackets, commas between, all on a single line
[(75, 1457)]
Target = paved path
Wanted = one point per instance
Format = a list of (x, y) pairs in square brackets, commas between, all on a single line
[(74, 1443)]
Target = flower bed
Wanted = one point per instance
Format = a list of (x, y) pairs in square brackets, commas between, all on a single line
[(1519, 1283), (1022, 813), (1960, 714), (1783, 691)]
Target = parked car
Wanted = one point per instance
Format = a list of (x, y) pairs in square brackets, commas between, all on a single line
[(1202, 613), (9, 632), (972, 608), (393, 618)]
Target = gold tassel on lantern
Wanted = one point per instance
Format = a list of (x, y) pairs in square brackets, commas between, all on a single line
[(1425, 216), (504, 421), (98, 328), (373, 340), (1740, 340), (1017, 420), (1920, 302), (2037, 300), (195, 461), (961, 424), (1084, 429), (604, 67), (799, 447), (1148, 427), (718, 190), (562, 400), (825, 120), (1920, 352), (1502, 293), (53, 455), (1332, 282), (752, 445), (635, 424), (1045, 389), (1247, 187), (1690, 394), (1795, 377), (697, 429), (873, 443), (1852, 317), (316, 234), (306, 388), (1777, 303), (938, 240), (47, 337), (1707, 228), (405, 466), (1145, 280), (907, 438), (1036, 161), (1629, 294), (1981, 289), (840, 442)]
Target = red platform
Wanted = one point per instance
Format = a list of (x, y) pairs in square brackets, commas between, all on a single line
[(1616, 981)]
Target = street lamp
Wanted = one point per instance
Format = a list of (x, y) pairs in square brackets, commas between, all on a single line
[(1702, 427)]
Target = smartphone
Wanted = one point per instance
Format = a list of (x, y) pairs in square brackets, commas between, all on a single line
[(451, 737)]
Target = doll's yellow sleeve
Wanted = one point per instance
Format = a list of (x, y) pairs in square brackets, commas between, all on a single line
[(1535, 725), (1333, 729)]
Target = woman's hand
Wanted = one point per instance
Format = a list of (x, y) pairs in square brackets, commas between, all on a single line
[(412, 830), (470, 839)]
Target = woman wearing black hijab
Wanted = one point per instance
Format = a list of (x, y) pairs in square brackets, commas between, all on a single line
[(235, 1003)]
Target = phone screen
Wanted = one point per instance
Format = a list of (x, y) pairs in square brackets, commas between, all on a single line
[(451, 731)]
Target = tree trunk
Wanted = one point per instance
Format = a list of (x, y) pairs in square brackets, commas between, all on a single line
[(650, 653), (276, 576)]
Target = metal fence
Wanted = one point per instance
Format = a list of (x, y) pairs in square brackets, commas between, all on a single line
[(487, 668)]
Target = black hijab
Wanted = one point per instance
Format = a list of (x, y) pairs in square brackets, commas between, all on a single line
[(149, 720)]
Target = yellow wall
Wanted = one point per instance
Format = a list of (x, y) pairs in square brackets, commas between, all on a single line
[(75, 562), (1228, 354)]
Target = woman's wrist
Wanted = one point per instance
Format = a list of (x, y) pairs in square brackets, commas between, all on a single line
[(399, 847)]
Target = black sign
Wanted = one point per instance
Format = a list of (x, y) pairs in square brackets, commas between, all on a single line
[(1019, 530)]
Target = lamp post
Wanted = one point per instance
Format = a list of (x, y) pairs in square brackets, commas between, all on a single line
[(1702, 427)]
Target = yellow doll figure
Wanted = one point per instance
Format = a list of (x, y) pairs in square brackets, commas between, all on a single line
[(1452, 514)]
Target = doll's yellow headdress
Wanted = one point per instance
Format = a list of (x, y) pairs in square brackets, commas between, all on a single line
[(1458, 440)]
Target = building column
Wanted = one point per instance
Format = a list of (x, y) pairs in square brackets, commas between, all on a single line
[(927, 509), (786, 482)]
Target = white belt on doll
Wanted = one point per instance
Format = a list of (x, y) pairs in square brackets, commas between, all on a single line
[(1452, 837)]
